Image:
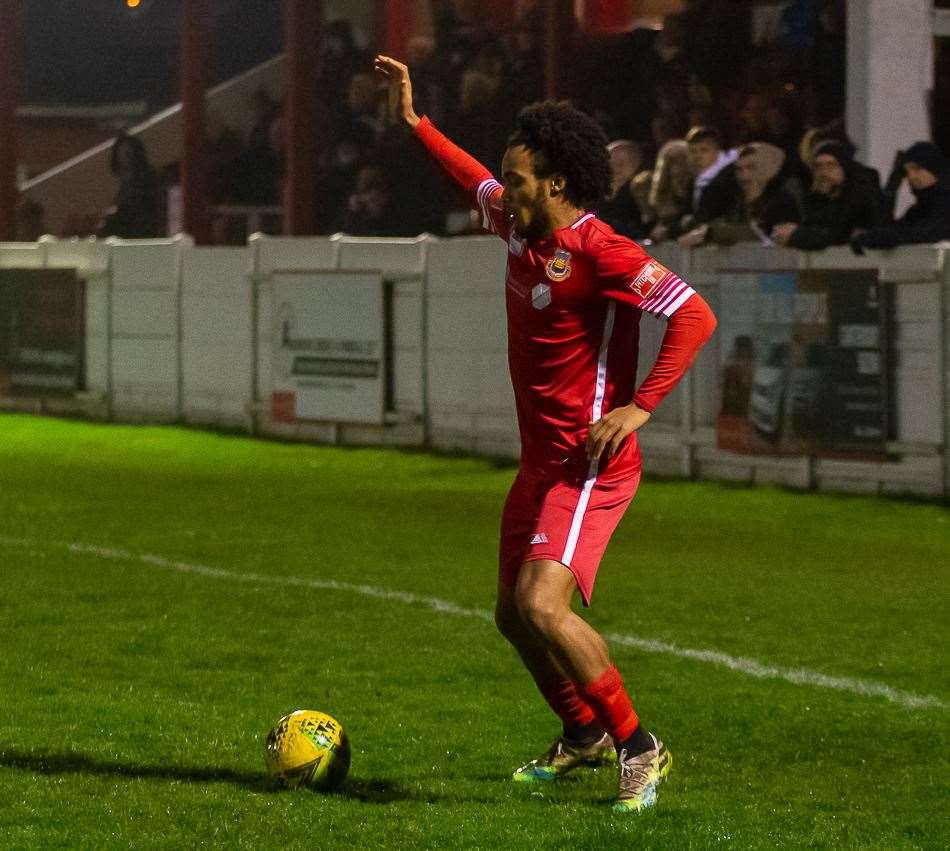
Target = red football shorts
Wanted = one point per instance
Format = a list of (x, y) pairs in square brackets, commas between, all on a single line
[(548, 517)]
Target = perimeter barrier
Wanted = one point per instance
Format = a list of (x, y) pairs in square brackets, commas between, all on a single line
[(361, 341)]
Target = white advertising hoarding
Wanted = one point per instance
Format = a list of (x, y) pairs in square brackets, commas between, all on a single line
[(327, 345)]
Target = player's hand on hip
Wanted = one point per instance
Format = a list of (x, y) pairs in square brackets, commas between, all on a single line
[(399, 87), (609, 432)]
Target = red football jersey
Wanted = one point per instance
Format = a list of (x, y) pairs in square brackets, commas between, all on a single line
[(574, 302)]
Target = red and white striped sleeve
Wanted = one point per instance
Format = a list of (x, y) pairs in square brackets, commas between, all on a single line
[(488, 199), (469, 173), (628, 274), (625, 272)]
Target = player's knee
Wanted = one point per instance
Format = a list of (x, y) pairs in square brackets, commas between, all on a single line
[(540, 611)]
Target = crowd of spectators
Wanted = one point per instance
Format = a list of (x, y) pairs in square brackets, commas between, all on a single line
[(716, 139)]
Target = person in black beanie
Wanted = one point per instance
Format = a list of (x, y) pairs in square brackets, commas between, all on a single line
[(927, 171), (842, 200)]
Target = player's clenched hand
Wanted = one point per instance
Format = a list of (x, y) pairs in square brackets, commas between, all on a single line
[(399, 86), (610, 431)]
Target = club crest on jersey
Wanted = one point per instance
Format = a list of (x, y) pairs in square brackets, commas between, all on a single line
[(648, 279), (541, 296), (559, 266)]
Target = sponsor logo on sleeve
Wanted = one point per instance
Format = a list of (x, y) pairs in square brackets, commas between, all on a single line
[(648, 279), (559, 266), (539, 538), (515, 245)]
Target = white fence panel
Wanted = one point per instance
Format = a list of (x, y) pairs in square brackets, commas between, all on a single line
[(22, 255), (216, 336), (145, 329), (471, 405), (395, 258)]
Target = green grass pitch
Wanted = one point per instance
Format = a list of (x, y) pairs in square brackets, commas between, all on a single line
[(136, 686)]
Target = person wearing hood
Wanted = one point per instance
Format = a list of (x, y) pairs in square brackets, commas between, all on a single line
[(927, 171), (762, 203), (841, 201)]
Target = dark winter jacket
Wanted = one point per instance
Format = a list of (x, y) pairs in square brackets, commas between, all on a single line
[(753, 222), (831, 221), (716, 199), (622, 213), (928, 220)]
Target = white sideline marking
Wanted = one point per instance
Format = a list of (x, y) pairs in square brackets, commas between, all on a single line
[(743, 665)]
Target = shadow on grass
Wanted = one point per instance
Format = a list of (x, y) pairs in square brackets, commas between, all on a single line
[(373, 791)]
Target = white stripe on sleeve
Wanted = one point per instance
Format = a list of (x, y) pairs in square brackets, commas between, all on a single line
[(483, 194), (672, 292)]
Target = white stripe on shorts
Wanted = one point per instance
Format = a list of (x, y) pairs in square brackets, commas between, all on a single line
[(595, 415)]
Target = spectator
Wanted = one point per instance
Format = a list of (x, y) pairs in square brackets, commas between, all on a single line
[(669, 48), (783, 127), (621, 210), (341, 59), (669, 189), (336, 181), (834, 131), (525, 56), (841, 201), (702, 104), (928, 220), (30, 220), (427, 86), (762, 203), (265, 109), (363, 106), (225, 155), (714, 188), (478, 131), (640, 189), (137, 204), (754, 117), (369, 209), (260, 169)]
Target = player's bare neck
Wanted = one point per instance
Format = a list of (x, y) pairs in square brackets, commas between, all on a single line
[(562, 216)]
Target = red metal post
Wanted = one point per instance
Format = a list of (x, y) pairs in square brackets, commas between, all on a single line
[(9, 191), (303, 30), (195, 41)]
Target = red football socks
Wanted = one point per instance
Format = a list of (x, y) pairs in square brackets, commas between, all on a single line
[(567, 704), (611, 704)]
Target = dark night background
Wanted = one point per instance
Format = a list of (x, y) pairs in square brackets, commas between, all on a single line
[(95, 51)]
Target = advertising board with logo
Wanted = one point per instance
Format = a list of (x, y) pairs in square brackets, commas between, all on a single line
[(42, 331), (328, 353)]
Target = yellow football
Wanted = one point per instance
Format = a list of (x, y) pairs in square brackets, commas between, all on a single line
[(307, 748)]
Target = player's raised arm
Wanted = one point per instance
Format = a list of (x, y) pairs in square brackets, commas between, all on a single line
[(465, 170), (399, 86)]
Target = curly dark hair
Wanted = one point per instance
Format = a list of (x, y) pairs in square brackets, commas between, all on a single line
[(569, 142)]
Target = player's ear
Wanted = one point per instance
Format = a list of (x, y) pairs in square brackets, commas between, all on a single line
[(557, 184)]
